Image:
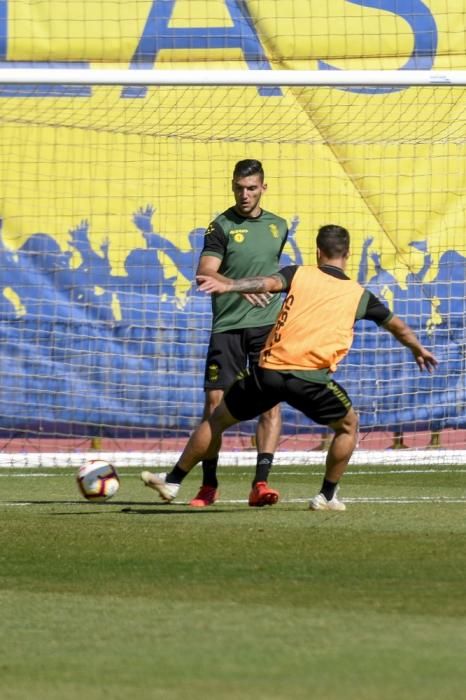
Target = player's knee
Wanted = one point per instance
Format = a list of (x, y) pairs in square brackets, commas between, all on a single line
[(221, 419), (273, 415), (348, 424), (212, 401)]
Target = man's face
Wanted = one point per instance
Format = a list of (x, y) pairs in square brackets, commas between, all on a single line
[(248, 192)]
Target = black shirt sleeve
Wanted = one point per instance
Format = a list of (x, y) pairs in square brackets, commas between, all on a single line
[(215, 241), (372, 309), (288, 273)]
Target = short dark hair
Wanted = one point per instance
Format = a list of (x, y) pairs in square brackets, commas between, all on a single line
[(245, 168), (333, 241)]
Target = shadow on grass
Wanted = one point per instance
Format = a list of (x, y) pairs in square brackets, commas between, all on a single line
[(180, 510), (89, 508), (127, 507)]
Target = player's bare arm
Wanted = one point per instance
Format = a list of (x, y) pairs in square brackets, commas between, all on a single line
[(406, 336), (219, 284), (209, 264)]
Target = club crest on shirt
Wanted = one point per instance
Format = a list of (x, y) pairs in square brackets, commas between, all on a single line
[(238, 234), (274, 230)]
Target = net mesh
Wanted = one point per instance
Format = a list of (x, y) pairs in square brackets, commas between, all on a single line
[(106, 194)]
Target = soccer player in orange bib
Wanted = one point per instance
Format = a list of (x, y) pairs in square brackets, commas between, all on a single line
[(313, 333)]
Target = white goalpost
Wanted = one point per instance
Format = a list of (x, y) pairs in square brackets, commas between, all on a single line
[(109, 180), (213, 77)]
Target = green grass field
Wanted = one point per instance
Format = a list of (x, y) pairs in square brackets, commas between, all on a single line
[(137, 599)]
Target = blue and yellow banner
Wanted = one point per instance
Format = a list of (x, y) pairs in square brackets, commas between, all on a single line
[(106, 192)]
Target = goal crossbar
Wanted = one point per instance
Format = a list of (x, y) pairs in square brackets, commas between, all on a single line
[(73, 76)]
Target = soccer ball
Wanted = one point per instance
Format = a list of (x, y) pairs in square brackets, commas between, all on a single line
[(98, 480)]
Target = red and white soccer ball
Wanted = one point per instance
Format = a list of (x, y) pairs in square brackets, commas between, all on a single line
[(98, 480)]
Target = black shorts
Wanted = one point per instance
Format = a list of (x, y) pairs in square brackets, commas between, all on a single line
[(231, 353), (262, 389)]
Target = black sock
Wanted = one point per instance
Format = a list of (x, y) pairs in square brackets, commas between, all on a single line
[(209, 472), (328, 489), (176, 475), (263, 466)]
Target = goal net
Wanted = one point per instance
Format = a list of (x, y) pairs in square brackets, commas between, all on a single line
[(106, 192)]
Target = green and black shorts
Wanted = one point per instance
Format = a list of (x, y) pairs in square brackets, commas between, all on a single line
[(262, 389), (231, 353)]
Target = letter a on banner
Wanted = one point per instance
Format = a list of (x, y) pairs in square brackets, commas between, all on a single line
[(157, 35)]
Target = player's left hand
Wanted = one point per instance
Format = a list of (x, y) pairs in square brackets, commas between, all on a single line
[(426, 360)]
